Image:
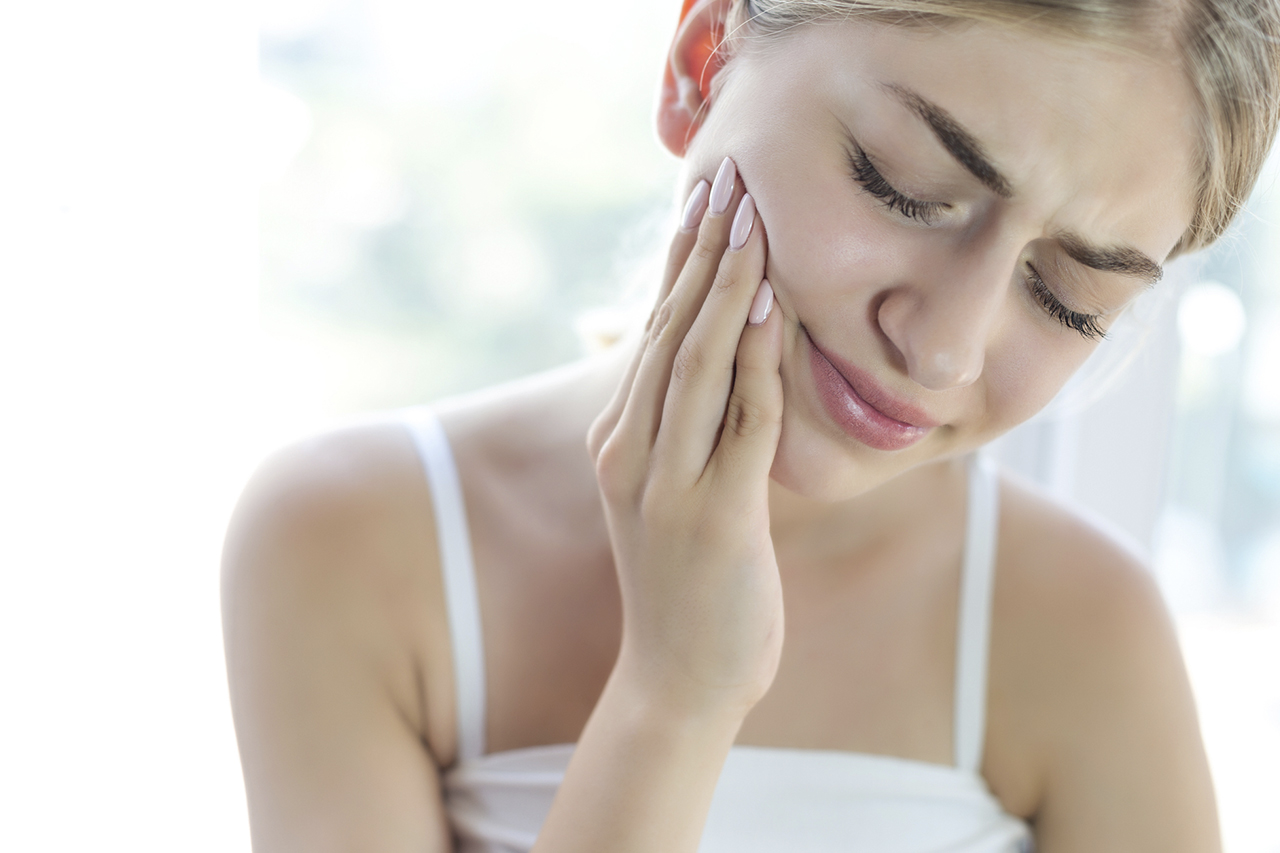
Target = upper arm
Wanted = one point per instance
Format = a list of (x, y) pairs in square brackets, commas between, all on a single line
[(322, 596), (1123, 765)]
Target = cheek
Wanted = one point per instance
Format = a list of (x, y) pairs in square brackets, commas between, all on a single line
[(829, 252), (824, 232), (1024, 369)]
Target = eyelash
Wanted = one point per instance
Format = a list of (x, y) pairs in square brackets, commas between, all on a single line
[(873, 182), (866, 174), (1085, 324)]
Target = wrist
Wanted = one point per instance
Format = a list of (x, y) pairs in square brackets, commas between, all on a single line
[(671, 699)]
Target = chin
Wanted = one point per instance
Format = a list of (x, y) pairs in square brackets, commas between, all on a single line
[(808, 464)]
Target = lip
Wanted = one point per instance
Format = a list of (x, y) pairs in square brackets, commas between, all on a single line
[(862, 408)]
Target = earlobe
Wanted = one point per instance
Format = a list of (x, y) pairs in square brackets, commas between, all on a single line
[(696, 57)]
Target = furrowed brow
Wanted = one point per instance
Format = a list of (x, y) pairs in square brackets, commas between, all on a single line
[(967, 151), (959, 142), (1118, 259)]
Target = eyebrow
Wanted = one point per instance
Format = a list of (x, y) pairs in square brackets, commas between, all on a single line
[(1119, 259), (961, 143), (967, 151)]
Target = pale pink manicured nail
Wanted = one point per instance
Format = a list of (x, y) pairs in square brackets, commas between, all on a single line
[(742, 222), (762, 304), (695, 206), (722, 189)]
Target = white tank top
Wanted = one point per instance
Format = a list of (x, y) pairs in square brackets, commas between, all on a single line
[(768, 799)]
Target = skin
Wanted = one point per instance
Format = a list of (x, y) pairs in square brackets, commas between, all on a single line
[(935, 312), (608, 509)]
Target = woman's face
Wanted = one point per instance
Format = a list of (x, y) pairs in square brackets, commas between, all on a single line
[(953, 215)]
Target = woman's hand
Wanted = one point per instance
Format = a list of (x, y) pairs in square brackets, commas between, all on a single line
[(682, 456)]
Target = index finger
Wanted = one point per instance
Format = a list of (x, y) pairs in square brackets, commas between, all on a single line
[(677, 255), (684, 241)]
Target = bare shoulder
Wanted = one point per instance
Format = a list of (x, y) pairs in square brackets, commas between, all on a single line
[(337, 512), (1091, 716), (1072, 588), (329, 600)]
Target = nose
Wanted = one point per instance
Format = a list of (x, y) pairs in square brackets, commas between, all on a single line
[(941, 317)]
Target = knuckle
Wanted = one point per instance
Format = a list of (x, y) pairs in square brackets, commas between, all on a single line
[(746, 418), (614, 471), (599, 432), (688, 362), (661, 319), (724, 281), (705, 251)]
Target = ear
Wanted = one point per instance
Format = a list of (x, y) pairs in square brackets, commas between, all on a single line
[(696, 57)]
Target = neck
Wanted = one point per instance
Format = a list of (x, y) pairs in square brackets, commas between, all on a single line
[(888, 512)]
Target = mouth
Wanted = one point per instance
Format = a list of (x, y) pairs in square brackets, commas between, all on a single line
[(861, 407)]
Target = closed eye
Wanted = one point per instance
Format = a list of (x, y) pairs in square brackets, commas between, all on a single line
[(866, 174), (1088, 325)]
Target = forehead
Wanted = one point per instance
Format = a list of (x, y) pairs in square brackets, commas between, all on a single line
[(1101, 139)]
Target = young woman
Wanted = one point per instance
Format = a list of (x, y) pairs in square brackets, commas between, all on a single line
[(745, 585)]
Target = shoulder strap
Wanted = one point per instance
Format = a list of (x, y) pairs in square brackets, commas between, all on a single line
[(974, 628), (457, 571)]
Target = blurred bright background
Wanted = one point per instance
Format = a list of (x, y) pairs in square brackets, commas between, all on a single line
[(226, 225)]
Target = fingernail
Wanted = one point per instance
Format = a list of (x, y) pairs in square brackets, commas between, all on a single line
[(695, 206), (762, 304), (742, 222), (722, 189)]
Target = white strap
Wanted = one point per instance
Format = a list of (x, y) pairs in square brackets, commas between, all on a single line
[(974, 630), (458, 573)]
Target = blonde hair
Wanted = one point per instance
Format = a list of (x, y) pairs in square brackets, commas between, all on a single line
[(1230, 50)]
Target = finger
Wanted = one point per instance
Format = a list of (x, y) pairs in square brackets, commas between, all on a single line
[(605, 422), (677, 254), (642, 413), (695, 275), (684, 241), (702, 374), (753, 416)]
